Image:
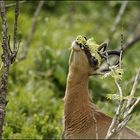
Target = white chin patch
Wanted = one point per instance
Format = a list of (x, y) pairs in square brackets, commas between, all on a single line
[(75, 46)]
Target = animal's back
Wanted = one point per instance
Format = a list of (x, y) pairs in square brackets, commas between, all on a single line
[(99, 130)]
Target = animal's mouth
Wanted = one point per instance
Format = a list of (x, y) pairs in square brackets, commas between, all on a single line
[(76, 46), (80, 47)]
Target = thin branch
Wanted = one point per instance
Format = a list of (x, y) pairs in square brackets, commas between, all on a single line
[(123, 113), (14, 4), (133, 90), (32, 30), (34, 22), (117, 20), (126, 117), (15, 25), (132, 107), (121, 51), (131, 81), (15, 47), (115, 120), (131, 42), (6, 61)]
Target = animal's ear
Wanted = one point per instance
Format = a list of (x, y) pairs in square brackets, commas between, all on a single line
[(102, 47)]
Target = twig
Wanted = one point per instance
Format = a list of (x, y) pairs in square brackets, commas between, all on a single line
[(15, 47), (132, 107), (131, 42), (13, 4), (32, 30), (115, 120), (117, 20), (123, 113), (5, 60), (127, 116), (121, 51), (15, 25), (133, 90)]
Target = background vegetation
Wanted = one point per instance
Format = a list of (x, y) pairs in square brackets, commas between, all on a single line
[(36, 84)]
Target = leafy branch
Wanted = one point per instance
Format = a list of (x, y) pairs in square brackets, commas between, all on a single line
[(125, 107)]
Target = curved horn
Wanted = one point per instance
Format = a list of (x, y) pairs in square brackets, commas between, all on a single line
[(112, 53), (103, 46)]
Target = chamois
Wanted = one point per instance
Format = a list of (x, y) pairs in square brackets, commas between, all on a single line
[(82, 119)]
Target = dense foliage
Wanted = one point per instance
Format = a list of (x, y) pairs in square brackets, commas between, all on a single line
[(37, 84)]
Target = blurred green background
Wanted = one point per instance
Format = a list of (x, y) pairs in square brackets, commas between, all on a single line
[(36, 85)]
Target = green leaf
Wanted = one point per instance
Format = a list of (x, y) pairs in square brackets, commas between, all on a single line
[(117, 73)]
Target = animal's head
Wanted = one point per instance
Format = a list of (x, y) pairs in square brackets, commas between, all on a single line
[(87, 56)]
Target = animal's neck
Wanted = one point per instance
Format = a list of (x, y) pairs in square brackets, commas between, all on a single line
[(78, 108), (77, 89)]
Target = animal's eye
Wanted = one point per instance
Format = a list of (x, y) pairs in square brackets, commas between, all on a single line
[(94, 61)]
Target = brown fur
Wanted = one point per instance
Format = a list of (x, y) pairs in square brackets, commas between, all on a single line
[(82, 119)]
